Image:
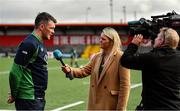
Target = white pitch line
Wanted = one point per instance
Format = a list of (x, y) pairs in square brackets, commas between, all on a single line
[(136, 85), (68, 106), (54, 68), (4, 72), (80, 102)]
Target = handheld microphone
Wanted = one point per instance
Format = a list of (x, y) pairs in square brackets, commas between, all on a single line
[(58, 55)]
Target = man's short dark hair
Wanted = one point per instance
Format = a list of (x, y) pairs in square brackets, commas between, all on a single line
[(44, 17)]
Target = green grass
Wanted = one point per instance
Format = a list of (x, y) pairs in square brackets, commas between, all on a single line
[(61, 91)]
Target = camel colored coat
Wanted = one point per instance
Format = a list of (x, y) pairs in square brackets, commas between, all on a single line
[(111, 90)]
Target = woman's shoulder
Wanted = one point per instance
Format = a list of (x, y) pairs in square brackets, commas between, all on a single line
[(93, 56), (118, 53)]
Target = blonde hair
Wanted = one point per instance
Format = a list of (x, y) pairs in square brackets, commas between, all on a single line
[(114, 36), (171, 37)]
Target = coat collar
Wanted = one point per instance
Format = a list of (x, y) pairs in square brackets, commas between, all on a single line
[(99, 79)]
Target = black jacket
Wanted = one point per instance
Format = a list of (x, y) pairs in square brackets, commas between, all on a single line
[(160, 76)]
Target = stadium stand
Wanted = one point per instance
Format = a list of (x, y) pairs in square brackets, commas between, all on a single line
[(83, 37)]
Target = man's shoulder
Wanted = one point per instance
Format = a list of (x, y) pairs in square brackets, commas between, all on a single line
[(31, 40), (29, 43), (30, 37)]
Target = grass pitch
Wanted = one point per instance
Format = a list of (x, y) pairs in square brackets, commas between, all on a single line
[(62, 91)]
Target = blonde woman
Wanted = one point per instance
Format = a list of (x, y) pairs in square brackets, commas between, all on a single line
[(109, 82)]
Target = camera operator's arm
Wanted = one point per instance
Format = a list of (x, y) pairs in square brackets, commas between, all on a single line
[(129, 59)]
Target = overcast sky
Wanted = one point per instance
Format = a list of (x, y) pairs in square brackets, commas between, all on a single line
[(81, 11)]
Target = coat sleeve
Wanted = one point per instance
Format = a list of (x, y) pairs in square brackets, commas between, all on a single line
[(84, 71), (124, 75), (131, 59)]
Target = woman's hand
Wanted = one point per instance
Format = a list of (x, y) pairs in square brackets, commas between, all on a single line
[(66, 69)]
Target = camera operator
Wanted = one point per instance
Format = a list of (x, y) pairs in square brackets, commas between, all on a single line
[(160, 70)]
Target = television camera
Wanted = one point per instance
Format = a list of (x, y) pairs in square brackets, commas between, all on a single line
[(150, 28)]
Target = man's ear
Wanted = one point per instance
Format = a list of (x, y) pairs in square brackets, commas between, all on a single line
[(161, 41), (41, 27)]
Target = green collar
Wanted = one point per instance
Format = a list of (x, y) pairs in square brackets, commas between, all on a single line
[(37, 37)]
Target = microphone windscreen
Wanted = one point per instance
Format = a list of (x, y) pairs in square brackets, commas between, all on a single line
[(57, 54)]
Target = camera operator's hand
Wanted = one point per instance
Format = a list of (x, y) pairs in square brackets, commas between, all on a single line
[(137, 39)]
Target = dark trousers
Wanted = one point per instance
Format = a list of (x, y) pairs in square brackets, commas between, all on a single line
[(27, 104)]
